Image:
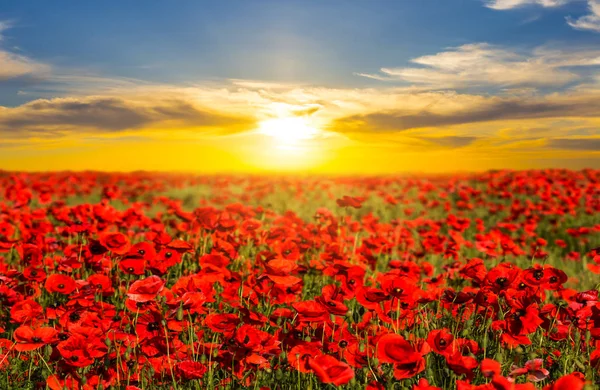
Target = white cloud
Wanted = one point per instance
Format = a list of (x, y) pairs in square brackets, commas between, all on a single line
[(588, 22), (16, 65), (484, 65), (510, 4)]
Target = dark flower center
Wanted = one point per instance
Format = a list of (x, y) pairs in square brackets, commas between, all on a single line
[(343, 344), (501, 281), (538, 274), (152, 326)]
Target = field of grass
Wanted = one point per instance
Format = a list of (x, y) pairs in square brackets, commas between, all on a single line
[(156, 281)]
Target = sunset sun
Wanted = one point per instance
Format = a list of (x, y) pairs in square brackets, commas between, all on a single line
[(288, 131)]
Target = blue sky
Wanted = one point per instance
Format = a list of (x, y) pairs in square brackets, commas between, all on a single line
[(468, 76), (316, 42)]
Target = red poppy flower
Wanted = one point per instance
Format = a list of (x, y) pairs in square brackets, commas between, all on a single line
[(441, 341), (393, 348), (189, 369), (371, 298), (101, 282), (79, 351), (34, 273), (330, 370), (117, 243), (279, 271), (490, 367), (60, 284), (144, 250), (332, 300), (311, 311), (145, 290), (423, 384), (26, 311), (28, 339), (133, 266), (573, 381), (349, 201), (222, 323)]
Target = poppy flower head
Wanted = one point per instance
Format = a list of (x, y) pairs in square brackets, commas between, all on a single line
[(62, 284), (28, 339), (117, 243), (145, 290)]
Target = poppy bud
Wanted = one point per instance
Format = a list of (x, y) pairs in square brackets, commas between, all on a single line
[(180, 313), (108, 342), (203, 359), (349, 315), (375, 362), (532, 355), (499, 356), (215, 353), (422, 333)]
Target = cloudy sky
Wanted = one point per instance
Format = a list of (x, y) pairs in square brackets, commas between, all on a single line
[(324, 86)]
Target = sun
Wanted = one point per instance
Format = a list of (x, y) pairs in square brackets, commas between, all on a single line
[(288, 131)]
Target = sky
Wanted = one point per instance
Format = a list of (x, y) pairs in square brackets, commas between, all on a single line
[(322, 86)]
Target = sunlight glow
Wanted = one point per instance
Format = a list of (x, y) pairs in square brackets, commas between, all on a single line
[(288, 131)]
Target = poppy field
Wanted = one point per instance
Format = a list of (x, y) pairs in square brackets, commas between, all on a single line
[(173, 281)]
